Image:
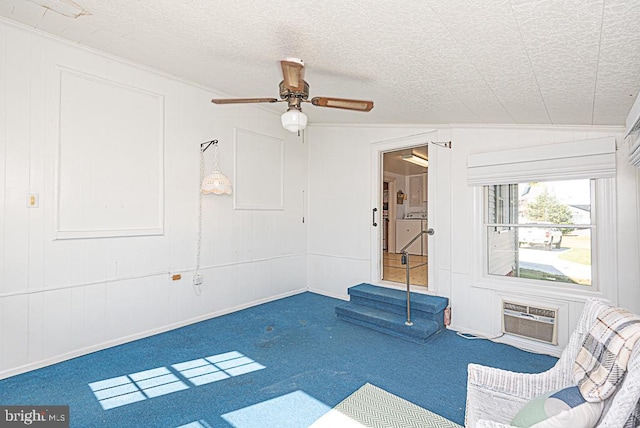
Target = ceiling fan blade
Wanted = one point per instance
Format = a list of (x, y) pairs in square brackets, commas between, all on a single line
[(243, 100), (346, 104), (293, 73)]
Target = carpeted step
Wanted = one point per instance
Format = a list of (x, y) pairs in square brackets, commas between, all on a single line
[(387, 322), (423, 306)]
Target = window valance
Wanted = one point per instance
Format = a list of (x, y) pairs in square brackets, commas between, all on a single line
[(595, 158)]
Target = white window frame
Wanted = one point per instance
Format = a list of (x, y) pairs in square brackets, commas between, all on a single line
[(604, 249)]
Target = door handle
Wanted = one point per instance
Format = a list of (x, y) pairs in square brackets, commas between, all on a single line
[(430, 231), (374, 217)]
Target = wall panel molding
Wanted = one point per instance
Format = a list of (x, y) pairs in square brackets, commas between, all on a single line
[(110, 163)]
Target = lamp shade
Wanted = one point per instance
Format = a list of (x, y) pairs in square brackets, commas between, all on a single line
[(216, 183), (293, 120)]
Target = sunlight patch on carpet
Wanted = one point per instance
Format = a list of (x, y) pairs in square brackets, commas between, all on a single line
[(216, 367), (136, 387), (196, 424), (293, 410), (128, 389)]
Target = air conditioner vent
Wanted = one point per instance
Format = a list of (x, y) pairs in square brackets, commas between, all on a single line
[(549, 313), (530, 322), (515, 307)]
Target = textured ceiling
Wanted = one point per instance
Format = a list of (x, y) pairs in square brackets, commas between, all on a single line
[(430, 61)]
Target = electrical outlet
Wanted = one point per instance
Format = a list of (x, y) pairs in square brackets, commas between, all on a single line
[(198, 279)]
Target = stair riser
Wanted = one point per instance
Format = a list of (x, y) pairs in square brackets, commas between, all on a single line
[(399, 298), (384, 330), (397, 309), (398, 327)]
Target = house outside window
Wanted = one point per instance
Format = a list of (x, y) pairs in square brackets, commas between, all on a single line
[(541, 231)]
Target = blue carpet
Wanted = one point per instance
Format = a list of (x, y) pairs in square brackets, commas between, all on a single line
[(290, 357)]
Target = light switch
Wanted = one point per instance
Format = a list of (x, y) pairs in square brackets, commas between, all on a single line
[(33, 200)]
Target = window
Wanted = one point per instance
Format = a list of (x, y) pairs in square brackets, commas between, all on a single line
[(525, 235), (541, 230)]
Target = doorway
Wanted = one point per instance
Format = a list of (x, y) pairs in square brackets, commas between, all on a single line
[(405, 206)]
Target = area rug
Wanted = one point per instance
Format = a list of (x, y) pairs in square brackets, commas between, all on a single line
[(373, 407)]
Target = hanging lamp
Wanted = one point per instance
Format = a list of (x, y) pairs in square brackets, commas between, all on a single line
[(216, 182)]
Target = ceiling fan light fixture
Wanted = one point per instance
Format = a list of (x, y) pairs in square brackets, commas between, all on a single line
[(416, 160), (293, 120)]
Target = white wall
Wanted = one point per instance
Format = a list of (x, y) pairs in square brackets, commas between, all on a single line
[(340, 216), (62, 298), (340, 221)]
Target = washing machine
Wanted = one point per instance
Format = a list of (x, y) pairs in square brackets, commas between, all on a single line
[(408, 228)]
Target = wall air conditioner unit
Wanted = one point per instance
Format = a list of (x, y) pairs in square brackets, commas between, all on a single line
[(530, 322), (633, 126)]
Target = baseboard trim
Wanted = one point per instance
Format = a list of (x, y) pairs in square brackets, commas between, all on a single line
[(517, 342), (327, 294), (109, 344)]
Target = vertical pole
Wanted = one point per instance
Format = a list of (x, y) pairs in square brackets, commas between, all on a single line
[(408, 322)]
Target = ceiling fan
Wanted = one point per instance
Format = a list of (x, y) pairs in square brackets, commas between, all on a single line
[(294, 90)]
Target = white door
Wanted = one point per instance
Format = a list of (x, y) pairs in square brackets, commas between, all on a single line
[(377, 231)]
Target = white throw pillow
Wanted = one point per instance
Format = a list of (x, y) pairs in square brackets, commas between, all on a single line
[(559, 409)]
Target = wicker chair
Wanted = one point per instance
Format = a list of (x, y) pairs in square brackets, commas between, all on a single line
[(495, 396)]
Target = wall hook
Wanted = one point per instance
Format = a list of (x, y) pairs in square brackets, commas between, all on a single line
[(207, 144)]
